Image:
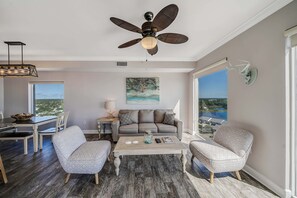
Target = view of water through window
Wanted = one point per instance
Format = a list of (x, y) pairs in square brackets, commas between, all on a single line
[(48, 99), (212, 102)]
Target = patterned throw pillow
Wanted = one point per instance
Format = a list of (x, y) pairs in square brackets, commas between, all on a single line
[(169, 118), (125, 119)]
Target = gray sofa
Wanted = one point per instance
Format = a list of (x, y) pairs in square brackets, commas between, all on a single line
[(143, 120)]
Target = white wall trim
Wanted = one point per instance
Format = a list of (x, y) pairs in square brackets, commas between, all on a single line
[(273, 7), (89, 132), (198, 73), (291, 31), (286, 193), (188, 131)]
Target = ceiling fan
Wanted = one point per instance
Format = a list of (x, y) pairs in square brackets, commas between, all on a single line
[(150, 28)]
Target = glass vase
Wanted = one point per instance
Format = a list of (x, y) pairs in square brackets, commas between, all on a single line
[(148, 137)]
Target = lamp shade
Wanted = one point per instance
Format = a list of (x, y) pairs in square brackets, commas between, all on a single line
[(149, 42), (109, 105)]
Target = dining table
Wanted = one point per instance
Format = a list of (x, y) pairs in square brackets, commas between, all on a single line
[(34, 122)]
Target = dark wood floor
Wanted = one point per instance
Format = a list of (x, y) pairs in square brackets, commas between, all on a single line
[(40, 175)]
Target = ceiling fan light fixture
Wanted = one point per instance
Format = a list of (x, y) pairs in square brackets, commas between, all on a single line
[(149, 42), (150, 29)]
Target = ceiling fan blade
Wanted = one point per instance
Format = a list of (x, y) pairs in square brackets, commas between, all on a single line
[(153, 51), (165, 17), (124, 24), (130, 43), (173, 38)]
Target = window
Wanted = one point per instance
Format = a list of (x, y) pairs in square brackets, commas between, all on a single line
[(210, 86), (46, 98), (212, 99), (294, 135)]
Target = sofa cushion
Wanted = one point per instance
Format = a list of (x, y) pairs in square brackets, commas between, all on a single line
[(165, 128), (160, 113), (125, 119), (146, 116), (147, 126), (89, 158), (169, 118), (128, 129), (133, 114)]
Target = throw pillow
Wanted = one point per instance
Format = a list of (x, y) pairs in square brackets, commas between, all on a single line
[(169, 118), (125, 119)]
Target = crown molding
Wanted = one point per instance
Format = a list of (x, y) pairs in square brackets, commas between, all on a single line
[(29, 58), (272, 8), (121, 70)]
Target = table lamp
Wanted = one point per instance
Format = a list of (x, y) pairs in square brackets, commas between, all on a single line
[(110, 107)]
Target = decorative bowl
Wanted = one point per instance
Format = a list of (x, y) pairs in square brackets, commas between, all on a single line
[(22, 116)]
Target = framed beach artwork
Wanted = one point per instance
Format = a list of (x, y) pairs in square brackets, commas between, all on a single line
[(142, 90)]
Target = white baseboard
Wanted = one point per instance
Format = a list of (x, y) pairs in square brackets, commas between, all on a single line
[(285, 193), (90, 131), (188, 131), (96, 132)]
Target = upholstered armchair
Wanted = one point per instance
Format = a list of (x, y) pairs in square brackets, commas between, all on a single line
[(227, 152), (77, 156)]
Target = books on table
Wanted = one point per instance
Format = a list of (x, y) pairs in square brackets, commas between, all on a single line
[(167, 140)]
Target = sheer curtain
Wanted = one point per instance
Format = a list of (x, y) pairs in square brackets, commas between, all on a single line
[(291, 110)]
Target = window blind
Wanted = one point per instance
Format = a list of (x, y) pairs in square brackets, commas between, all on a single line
[(211, 68), (292, 34), (294, 40)]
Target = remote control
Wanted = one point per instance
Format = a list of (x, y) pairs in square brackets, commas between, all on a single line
[(158, 140)]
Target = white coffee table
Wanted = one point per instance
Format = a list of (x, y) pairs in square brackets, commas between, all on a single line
[(140, 148)]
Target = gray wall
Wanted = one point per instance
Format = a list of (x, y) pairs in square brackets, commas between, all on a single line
[(86, 92), (260, 108)]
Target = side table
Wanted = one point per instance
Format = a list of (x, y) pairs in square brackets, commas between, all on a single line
[(102, 122)]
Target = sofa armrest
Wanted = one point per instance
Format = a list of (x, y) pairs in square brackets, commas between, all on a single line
[(179, 125), (115, 130)]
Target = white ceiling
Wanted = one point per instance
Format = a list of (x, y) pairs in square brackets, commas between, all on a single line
[(80, 30)]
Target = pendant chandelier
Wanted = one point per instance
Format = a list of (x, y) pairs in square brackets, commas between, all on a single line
[(22, 69)]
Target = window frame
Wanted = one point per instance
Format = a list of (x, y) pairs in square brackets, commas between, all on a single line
[(215, 67), (31, 96), (291, 111)]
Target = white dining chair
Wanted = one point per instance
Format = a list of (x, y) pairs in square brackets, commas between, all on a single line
[(61, 124)]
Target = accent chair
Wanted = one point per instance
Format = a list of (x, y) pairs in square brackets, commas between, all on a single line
[(79, 156), (227, 152)]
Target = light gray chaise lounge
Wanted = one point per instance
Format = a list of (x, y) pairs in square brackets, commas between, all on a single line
[(228, 151), (78, 156)]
